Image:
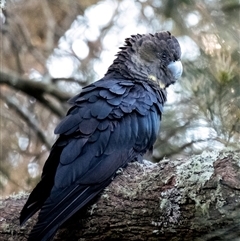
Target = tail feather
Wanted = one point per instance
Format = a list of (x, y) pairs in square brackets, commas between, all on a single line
[(42, 191), (34, 202), (53, 214)]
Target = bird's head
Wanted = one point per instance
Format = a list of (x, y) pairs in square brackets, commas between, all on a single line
[(154, 57)]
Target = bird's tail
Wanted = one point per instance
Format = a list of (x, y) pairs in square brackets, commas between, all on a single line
[(53, 214), (41, 192)]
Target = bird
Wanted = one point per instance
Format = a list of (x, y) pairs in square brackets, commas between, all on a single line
[(110, 123)]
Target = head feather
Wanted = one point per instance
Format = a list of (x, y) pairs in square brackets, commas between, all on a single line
[(141, 57)]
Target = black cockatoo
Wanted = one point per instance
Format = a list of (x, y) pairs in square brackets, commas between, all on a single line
[(111, 122)]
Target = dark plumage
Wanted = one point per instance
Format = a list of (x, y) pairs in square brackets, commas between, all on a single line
[(111, 122)]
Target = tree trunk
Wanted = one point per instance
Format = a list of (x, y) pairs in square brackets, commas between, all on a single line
[(193, 199)]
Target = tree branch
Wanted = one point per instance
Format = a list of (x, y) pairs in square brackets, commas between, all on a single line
[(12, 102), (38, 90), (192, 199), (31, 87)]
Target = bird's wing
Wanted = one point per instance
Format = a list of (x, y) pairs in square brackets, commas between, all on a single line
[(110, 124)]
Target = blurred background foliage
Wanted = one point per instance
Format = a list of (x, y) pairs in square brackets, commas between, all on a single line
[(51, 49)]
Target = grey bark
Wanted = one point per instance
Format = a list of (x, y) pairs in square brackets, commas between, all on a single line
[(185, 199)]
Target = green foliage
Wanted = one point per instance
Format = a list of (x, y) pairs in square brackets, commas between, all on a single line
[(207, 113)]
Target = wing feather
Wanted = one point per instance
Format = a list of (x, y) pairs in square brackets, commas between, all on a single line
[(99, 135)]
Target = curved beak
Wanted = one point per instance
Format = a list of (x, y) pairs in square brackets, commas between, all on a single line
[(176, 69)]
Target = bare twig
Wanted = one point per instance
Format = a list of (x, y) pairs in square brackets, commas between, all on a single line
[(50, 23)]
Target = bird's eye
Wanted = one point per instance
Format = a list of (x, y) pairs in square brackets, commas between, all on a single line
[(164, 56)]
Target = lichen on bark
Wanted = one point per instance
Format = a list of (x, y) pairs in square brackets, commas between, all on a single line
[(184, 199)]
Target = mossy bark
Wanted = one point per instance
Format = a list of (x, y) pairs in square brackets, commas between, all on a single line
[(185, 199)]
